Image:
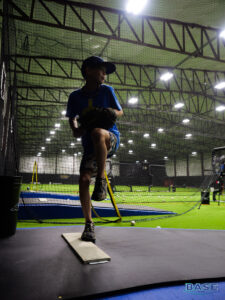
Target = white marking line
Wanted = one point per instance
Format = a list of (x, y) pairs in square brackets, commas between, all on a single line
[(43, 199)]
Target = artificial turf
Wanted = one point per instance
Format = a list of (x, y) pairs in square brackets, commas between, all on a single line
[(207, 217), (184, 199)]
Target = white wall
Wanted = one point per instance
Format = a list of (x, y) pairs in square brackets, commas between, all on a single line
[(195, 168), (181, 167), (63, 164), (170, 168), (116, 170)]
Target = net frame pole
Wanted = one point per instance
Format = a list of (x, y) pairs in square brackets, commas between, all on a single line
[(35, 170), (112, 196)]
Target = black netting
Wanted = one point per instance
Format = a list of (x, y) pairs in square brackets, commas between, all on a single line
[(164, 159)]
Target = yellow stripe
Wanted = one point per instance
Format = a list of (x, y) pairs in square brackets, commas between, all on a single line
[(112, 196), (90, 103), (101, 218), (34, 173), (97, 215), (89, 107), (113, 203)]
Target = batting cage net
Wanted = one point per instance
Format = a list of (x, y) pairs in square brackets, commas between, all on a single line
[(164, 166)]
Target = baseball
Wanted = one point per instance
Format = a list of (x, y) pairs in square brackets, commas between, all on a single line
[(132, 223)]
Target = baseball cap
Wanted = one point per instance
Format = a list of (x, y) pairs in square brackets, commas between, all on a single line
[(96, 61)]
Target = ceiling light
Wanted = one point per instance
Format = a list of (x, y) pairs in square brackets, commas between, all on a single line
[(133, 100), (137, 161), (220, 108), (165, 157), (78, 139), (146, 135), (63, 150), (166, 76), (42, 148), (188, 135), (145, 161), (220, 85), (57, 125), (222, 34), (153, 145), (114, 155), (160, 129), (121, 144), (130, 141), (130, 151), (185, 121), (178, 105), (135, 6), (63, 112), (75, 154), (194, 153), (48, 140), (72, 144), (52, 132)]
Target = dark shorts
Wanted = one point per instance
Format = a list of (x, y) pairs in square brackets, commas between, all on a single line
[(88, 162)]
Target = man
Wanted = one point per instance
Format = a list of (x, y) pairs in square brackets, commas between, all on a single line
[(94, 101), (218, 187)]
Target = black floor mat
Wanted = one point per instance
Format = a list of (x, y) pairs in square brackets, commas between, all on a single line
[(38, 263)]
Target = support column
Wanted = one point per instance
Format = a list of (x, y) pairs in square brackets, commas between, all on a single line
[(56, 163), (175, 166), (188, 165), (202, 163)]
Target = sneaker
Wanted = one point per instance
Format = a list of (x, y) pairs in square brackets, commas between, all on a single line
[(88, 234), (100, 190)]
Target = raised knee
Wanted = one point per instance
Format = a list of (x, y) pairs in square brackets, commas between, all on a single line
[(97, 134)]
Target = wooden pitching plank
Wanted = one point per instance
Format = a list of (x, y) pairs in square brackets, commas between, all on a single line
[(88, 252)]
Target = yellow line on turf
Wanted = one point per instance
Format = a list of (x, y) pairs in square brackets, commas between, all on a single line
[(112, 196)]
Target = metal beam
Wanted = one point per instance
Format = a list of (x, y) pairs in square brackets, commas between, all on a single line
[(158, 99), (153, 32), (131, 75)]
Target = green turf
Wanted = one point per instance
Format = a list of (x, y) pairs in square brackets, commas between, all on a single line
[(56, 188), (74, 188), (208, 217)]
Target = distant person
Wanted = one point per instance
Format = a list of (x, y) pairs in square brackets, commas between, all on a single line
[(222, 169), (218, 187)]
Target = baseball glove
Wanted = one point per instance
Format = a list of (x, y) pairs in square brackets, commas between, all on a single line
[(98, 117)]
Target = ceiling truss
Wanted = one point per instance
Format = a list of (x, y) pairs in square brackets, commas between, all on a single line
[(188, 38)]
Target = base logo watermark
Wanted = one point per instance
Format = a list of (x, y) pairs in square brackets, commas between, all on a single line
[(201, 288)]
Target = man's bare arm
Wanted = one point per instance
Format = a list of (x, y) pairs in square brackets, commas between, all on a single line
[(119, 113), (77, 131)]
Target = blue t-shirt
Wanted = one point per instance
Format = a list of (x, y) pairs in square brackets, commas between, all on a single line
[(79, 101)]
